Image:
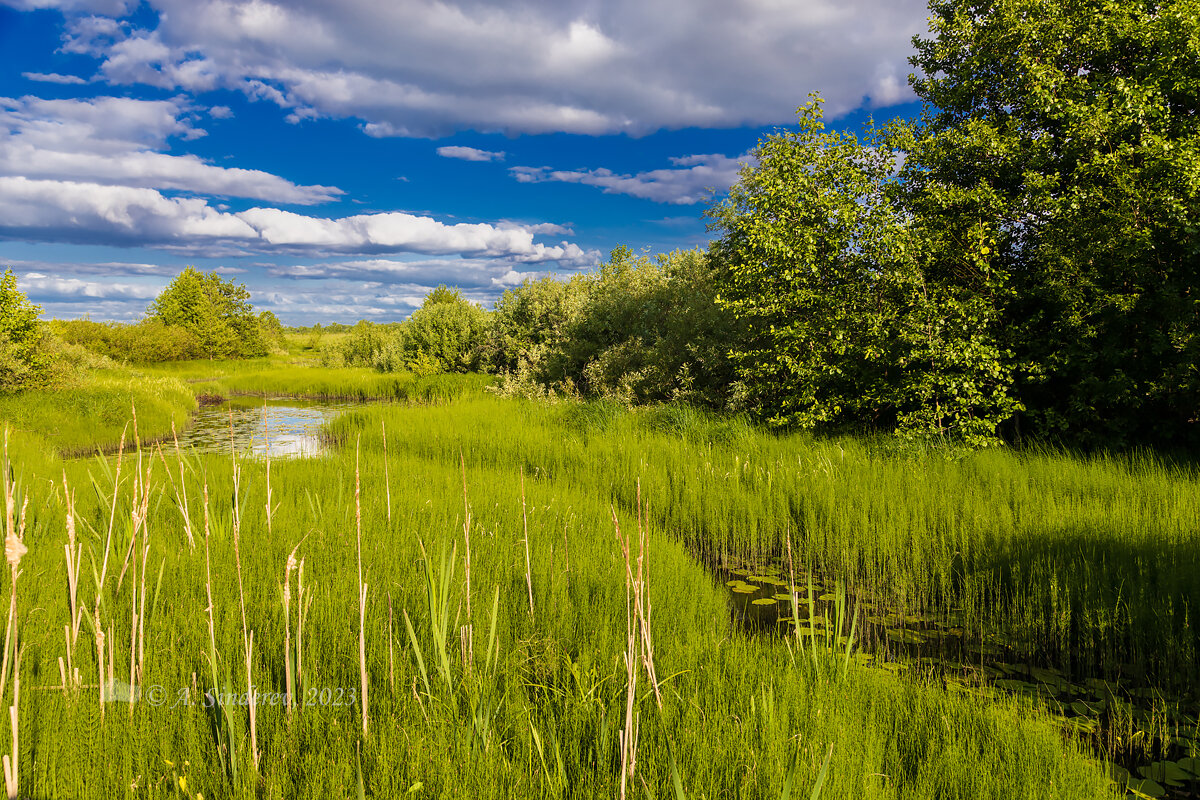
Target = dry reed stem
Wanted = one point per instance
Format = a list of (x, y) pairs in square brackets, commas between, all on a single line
[(468, 637), (289, 567), (212, 631), (303, 601), (629, 731), (14, 550), (387, 484), (74, 551), (362, 593), (11, 777), (182, 494), (525, 522), (644, 595), (247, 634), (112, 518)]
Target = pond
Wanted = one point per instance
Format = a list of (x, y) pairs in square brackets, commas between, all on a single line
[(285, 428)]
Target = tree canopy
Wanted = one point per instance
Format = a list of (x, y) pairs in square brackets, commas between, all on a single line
[(216, 311), (1061, 148), (1021, 258), (24, 360)]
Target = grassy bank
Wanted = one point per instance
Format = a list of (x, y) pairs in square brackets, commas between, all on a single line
[(538, 713), (79, 419), (1084, 564), (282, 376)]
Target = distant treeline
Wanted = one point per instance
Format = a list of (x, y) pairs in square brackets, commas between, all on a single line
[(637, 330), (198, 315)]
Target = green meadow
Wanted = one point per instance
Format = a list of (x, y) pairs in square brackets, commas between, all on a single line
[(480, 596)]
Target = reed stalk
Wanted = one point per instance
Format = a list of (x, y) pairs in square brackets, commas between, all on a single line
[(12, 780), (289, 664), (362, 596), (387, 484), (468, 631), (247, 634), (303, 602), (181, 499), (525, 523), (14, 550), (74, 552)]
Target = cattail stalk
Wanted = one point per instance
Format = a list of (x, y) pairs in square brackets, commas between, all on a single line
[(525, 521), (468, 632), (247, 634), (387, 484), (362, 595)]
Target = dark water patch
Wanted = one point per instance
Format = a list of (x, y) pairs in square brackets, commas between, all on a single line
[(1150, 740)]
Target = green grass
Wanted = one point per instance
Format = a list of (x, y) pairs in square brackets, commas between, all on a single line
[(1037, 547), (285, 376), (78, 420), (1085, 563)]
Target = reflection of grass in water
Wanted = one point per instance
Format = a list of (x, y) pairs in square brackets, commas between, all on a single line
[(294, 427)]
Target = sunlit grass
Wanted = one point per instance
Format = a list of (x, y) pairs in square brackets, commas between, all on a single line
[(472, 693)]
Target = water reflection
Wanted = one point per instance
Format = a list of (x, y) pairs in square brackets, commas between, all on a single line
[(280, 428)]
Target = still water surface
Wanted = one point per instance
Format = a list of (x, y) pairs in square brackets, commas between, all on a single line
[(281, 428)]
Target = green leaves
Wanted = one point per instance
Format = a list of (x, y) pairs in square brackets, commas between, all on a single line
[(24, 359), (848, 324), (1069, 134), (216, 312)]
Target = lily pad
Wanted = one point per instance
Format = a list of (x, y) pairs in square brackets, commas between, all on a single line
[(764, 601), (744, 588), (1146, 788), (905, 636), (1165, 772)]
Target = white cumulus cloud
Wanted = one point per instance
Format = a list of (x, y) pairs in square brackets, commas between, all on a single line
[(469, 153), (119, 141), (75, 211), (430, 67), (692, 179)]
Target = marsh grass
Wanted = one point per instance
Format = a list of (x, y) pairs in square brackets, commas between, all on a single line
[(544, 706)]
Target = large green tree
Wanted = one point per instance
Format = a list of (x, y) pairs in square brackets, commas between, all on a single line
[(446, 334), (24, 359), (844, 324), (1060, 152), (216, 311)]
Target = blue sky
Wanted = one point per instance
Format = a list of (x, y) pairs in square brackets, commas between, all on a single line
[(342, 157)]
